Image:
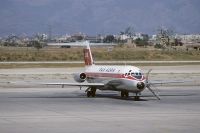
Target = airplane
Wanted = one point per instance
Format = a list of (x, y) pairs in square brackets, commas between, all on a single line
[(123, 78)]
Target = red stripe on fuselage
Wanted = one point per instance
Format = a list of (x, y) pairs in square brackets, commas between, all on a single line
[(112, 75)]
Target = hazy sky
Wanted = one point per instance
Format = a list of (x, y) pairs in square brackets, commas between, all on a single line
[(98, 16)]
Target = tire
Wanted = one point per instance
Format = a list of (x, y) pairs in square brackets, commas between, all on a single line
[(93, 94), (88, 93), (126, 94), (137, 98), (122, 94)]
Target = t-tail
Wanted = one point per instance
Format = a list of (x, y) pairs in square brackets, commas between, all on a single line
[(88, 55)]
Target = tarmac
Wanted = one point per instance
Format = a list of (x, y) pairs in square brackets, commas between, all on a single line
[(28, 107)]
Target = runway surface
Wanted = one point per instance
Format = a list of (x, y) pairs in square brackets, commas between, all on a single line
[(27, 107)]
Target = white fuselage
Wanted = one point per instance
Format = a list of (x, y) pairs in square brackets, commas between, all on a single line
[(116, 78)]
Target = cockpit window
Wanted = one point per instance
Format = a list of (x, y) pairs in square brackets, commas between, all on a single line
[(137, 75)]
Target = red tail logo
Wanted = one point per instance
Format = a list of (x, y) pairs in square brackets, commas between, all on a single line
[(87, 57)]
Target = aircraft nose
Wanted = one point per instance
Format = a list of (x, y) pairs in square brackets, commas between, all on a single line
[(140, 85)]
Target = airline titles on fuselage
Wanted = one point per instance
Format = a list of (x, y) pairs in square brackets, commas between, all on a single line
[(104, 69)]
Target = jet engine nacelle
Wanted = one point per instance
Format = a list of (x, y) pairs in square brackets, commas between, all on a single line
[(80, 77)]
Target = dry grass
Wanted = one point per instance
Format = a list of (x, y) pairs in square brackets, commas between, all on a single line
[(76, 54), (40, 65)]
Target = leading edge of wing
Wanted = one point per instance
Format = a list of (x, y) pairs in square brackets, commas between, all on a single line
[(77, 84)]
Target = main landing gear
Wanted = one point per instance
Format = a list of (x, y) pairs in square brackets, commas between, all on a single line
[(124, 94), (91, 92)]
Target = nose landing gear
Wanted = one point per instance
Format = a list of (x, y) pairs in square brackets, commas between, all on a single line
[(136, 97)]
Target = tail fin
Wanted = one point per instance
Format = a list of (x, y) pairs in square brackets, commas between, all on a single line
[(88, 55)]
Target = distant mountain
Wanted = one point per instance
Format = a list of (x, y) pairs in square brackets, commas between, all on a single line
[(98, 16)]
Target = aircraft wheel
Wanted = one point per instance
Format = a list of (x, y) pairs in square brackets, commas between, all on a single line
[(127, 94), (88, 93), (122, 94), (93, 92), (137, 98)]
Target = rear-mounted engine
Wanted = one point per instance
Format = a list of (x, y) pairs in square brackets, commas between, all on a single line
[(80, 77)]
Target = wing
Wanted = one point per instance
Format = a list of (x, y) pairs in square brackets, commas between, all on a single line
[(77, 84)]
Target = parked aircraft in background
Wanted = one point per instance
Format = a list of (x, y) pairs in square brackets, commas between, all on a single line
[(79, 44)]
